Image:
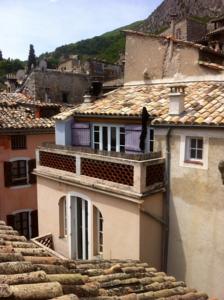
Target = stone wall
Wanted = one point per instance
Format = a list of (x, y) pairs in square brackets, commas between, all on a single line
[(188, 29), (56, 86), (149, 58)]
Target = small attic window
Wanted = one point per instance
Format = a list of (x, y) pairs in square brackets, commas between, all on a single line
[(18, 142)]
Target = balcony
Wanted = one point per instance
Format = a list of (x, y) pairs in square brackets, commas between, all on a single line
[(132, 175)]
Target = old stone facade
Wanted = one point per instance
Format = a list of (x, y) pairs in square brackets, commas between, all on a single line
[(162, 57), (188, 30), (56, 86)]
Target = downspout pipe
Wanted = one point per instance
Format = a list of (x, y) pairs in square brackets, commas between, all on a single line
[(167, 197)]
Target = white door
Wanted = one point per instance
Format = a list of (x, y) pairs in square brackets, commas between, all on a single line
[(80, 233)]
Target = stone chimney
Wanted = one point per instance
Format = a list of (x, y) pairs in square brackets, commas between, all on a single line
[(173, 17), (176, 99)]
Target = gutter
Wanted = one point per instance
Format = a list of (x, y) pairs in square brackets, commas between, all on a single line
[(176, 126)]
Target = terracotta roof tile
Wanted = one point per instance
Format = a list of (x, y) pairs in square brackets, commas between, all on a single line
[(18, 112), (204, 104), (28, 271)]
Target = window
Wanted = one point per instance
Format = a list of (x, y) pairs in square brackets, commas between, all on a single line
[(151, 140), (19, 172), (109, 138), (62, 217), (100, 231), (194, 149), (18, 142), (25, 222)]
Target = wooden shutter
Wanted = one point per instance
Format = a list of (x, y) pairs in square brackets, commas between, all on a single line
[(32, 166), (81, 134), (34, 223), (8, 173), (10, 220), (132, 138)]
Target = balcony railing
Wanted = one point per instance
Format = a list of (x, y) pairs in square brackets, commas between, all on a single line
[(139, 173)]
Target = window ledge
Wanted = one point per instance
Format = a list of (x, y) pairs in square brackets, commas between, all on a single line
[(20, 186), (194, 162), (63, 237)]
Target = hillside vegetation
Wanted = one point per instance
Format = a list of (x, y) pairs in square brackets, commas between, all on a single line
[(107, 46)]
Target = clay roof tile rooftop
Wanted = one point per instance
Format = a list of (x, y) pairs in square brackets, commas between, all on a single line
[(28, 271), (204, 104)]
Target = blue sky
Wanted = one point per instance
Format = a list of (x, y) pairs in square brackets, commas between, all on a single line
[(48, 24)]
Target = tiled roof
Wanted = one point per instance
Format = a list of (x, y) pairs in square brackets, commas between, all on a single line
[(18, 112), (30, 272), (19, 98), (204, 104)]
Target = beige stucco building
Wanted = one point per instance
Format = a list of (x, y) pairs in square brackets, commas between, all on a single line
[(172, 104)]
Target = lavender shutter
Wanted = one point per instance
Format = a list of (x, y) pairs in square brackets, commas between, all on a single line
[(132, 138), (81, 134)]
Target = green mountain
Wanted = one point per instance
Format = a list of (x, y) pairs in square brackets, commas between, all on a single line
[(107, 46)]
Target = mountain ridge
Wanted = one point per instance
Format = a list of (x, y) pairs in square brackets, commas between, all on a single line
[(109, 45)]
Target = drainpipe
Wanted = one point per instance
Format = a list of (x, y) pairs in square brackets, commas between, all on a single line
[(167, 198)]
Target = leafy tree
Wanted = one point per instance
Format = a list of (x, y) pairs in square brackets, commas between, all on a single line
[(32, 62), (1, 57)]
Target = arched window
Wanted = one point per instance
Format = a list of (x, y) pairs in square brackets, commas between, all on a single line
[(62, 217)]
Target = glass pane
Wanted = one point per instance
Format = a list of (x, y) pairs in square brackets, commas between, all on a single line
[(122, 138), (193, 143), (113, 139), (96, 137), (193, 153), (151, 146), (22, 163), (151, 134), (96, 128), (122, 149), (105, 141), (200, 143), (96, 146), (199, 154)]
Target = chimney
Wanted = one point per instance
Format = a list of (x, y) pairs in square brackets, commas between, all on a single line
[(173, 17), (176, 99)]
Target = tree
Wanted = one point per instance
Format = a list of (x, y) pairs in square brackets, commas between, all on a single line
[(1, 57), (31, 59)]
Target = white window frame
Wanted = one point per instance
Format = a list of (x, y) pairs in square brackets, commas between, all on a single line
[(185, 161), (109, 126), (188, 149), (149, 139)]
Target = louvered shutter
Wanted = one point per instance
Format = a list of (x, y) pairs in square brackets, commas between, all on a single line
[(32, 166), (8, 173), (10, 220), (81, 134), (132, 138), (34, 223)]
